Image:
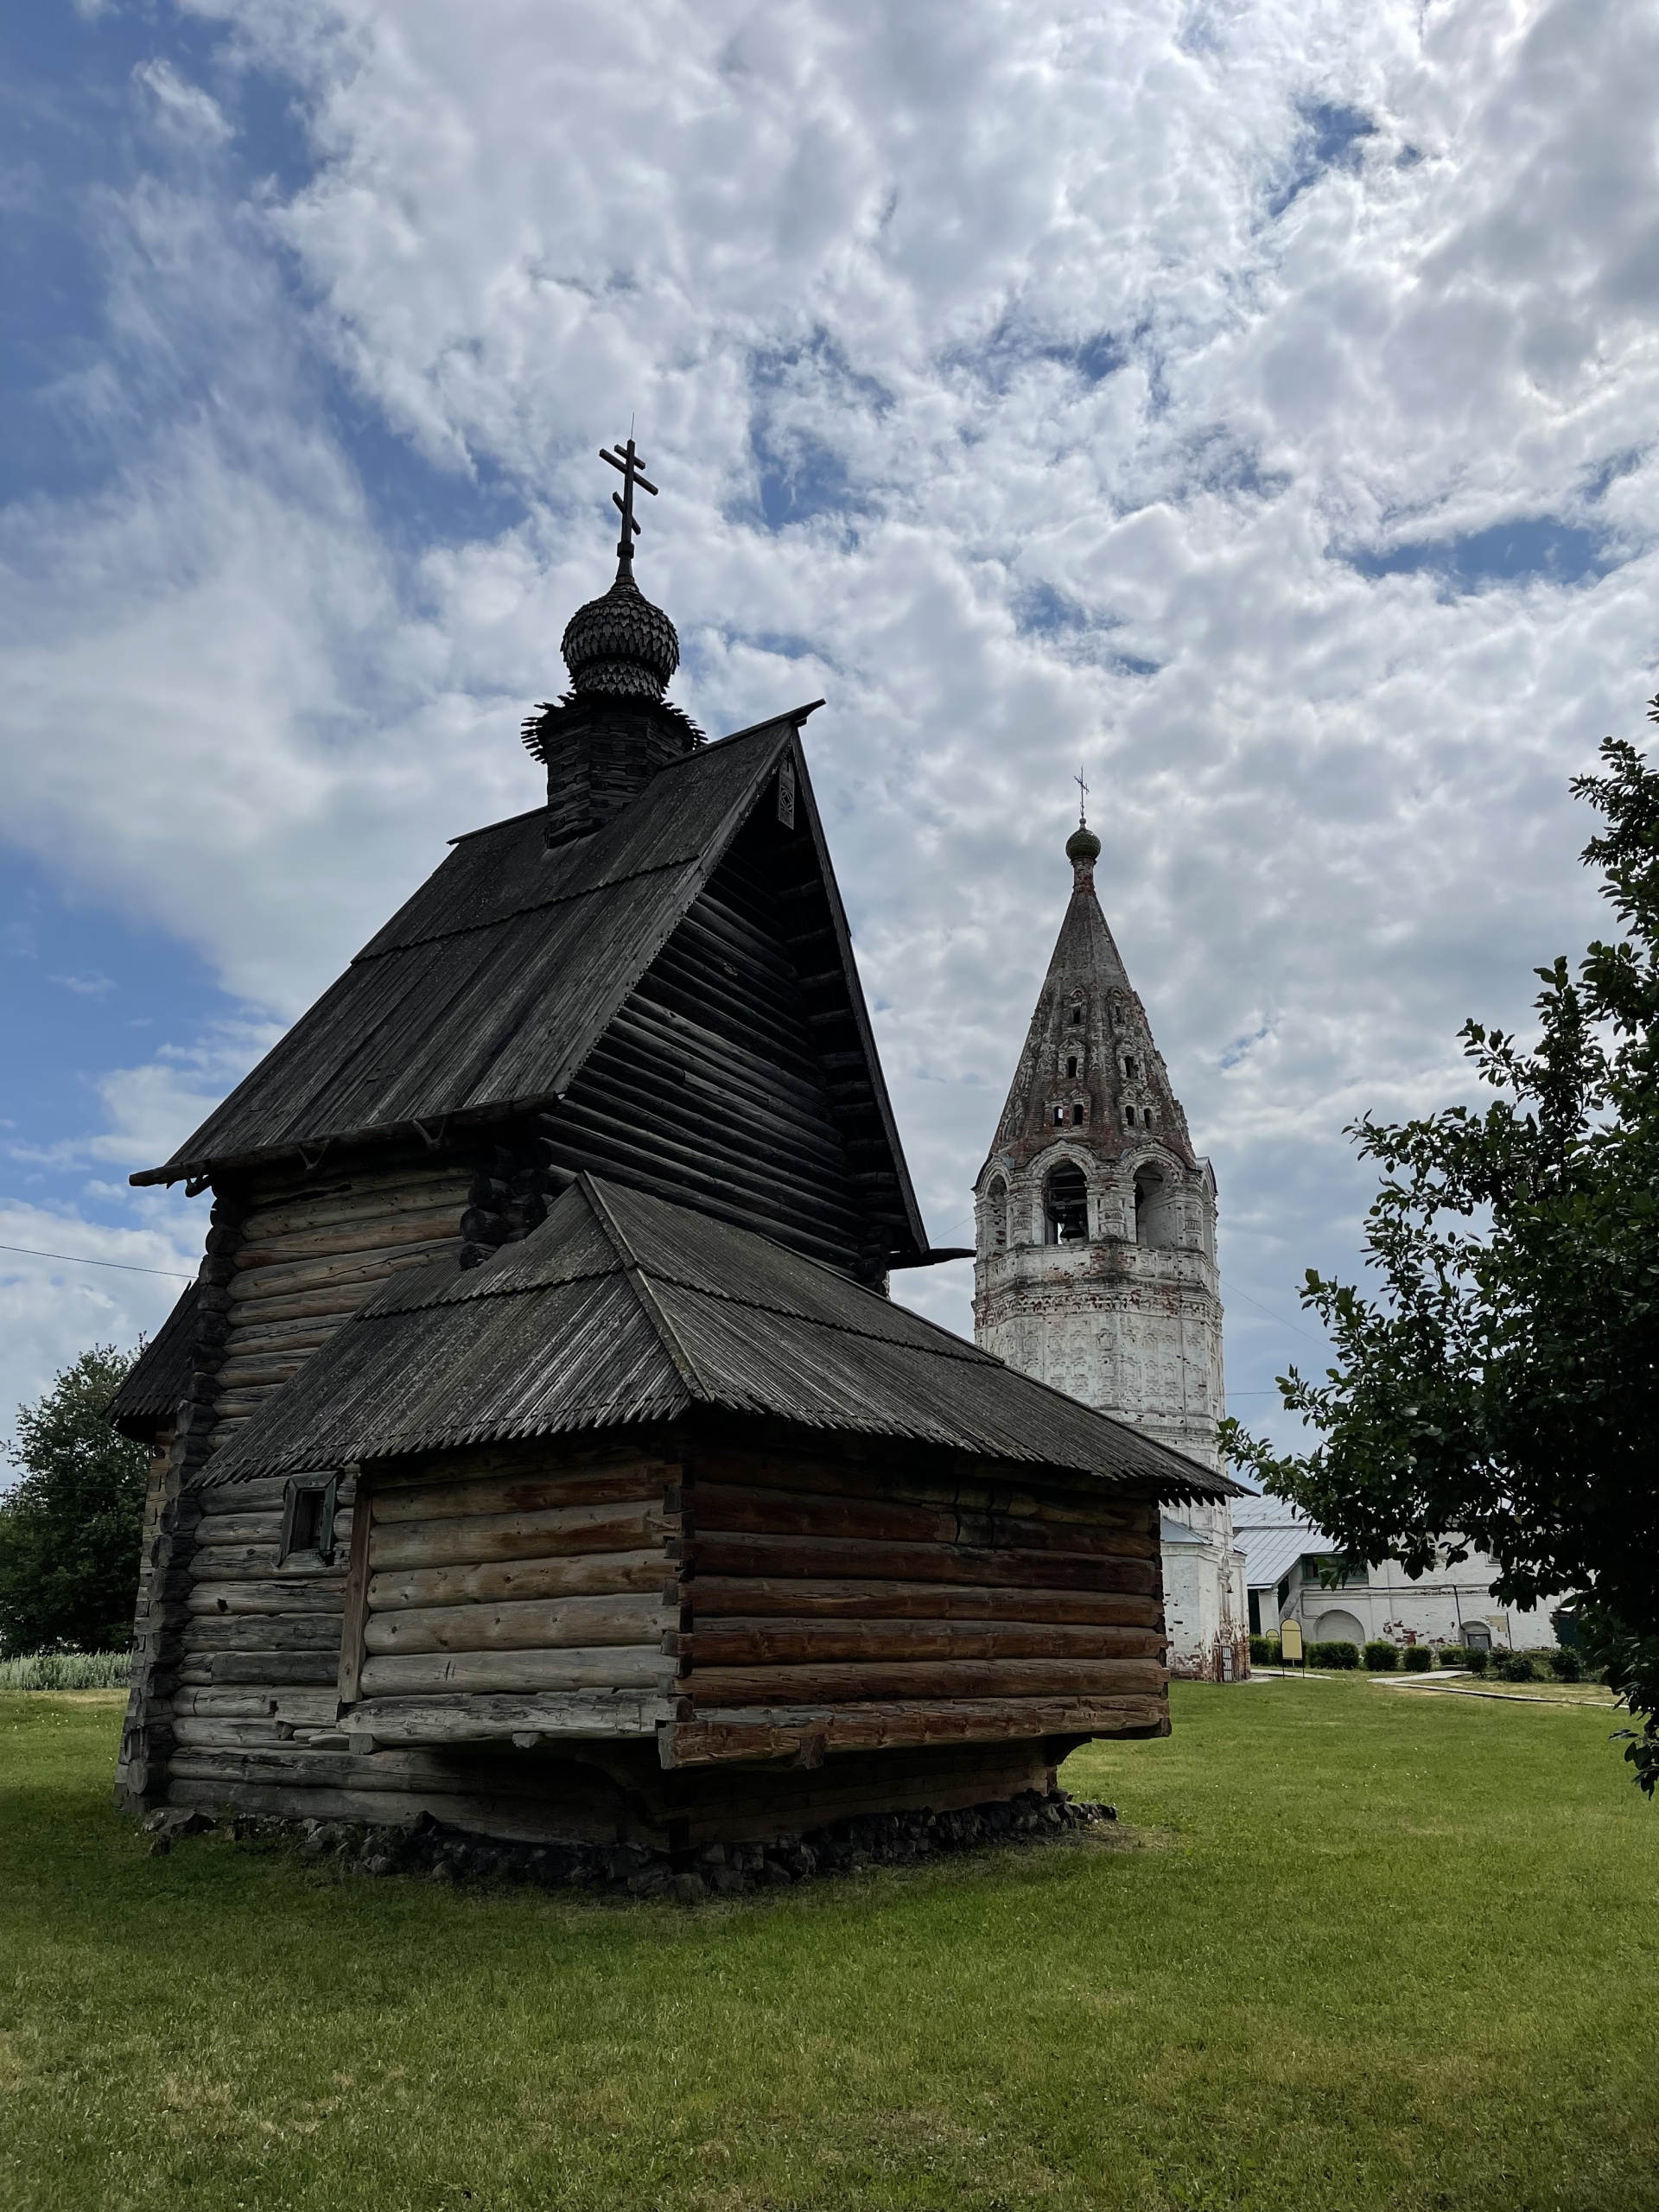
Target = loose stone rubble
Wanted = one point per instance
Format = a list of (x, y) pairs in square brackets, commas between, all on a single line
[(447, 1855)]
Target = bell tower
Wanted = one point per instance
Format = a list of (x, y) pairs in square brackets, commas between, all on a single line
[(1095, 1249)]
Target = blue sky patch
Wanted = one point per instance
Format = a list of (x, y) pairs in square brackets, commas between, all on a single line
[(85, 990), (1332, 137), (1536, 549)]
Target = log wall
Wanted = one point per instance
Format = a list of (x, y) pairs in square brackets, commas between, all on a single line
[(733, 1079), (493, 1610), (310, 1251), (660, 1642), (830, 1604)]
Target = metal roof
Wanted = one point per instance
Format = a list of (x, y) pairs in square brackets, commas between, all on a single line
[(1176, 1533), (161, 1374), (490, 988), (1275, 1538), (622, 1308)]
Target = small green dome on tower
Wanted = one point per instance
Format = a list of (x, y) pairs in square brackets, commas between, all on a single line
[(1082, 844)]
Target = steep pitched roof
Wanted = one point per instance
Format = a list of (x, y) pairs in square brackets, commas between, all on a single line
[(622, 1308), (488, 993), (160, 1376), (1090, 1044)]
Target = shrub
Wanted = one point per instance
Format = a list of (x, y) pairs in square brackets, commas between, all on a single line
[(1565, 1664), (1515, 1667), (66, 1670), (1381, 1657), (1417, 1658), (1339, 1654), (1264, 1651), (1453, 1655), (1478, 1660)]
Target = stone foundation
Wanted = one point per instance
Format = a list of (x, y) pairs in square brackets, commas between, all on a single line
[(432, 1849)]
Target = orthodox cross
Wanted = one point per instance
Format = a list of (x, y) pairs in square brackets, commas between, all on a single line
[(633, 471), (1082, 797)]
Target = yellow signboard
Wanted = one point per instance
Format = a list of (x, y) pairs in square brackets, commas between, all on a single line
[(1290, 1642)]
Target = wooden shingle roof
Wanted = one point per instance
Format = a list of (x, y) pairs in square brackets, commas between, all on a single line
[(487, 994), (160, 1376), (622, 1308)]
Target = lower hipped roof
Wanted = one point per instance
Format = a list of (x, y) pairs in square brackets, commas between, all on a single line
[(622, 1308), (160, 1376)]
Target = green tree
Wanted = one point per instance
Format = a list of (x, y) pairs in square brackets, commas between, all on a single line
[(70, 1527), (1502, 1391)]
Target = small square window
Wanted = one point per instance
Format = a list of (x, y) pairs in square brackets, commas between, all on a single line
[(1076, 1118), (1059, 1115), (308, 1518), (1071, 1065)]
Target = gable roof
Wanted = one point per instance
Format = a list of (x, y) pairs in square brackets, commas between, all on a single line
[(622, 1308), (488, 991), (160, 1376)]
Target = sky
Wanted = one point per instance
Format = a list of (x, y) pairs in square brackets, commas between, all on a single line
[(1246, 402)]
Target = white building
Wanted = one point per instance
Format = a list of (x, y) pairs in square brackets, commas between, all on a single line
[(1286, 1554), (1095, 1251)]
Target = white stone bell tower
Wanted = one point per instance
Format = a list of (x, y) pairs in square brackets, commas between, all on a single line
[(1094, 1243)]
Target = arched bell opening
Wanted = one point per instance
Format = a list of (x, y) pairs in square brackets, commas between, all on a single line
[(1065, 1204), (1157, 1215), (996, 1211)]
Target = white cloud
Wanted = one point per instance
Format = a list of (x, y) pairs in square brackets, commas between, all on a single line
[(103, 1285), (1090, 453), (182, 107)]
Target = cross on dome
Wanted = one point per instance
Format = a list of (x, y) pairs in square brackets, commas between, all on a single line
[(633, 471)]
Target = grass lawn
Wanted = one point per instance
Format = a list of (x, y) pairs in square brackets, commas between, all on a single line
[(1354, 1950)]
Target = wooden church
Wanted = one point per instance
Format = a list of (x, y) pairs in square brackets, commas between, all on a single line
[(539, 1448)]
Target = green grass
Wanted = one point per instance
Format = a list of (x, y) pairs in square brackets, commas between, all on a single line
[(1359, 1950)]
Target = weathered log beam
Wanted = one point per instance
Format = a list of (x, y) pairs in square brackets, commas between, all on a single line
[(528, 1819), (1085, 1503), (641, 1481), (394, 1202), (217, 1598), (856, 1681), (264, 1286), (841, 1558), (555, 1532), (812, 1643), (271, 1670), (433, 1225), (330, 1305), (308, 1708), (479, 1719), (548, 1625), (214, 1563), (714, 1738), (717, 1597), (219, 1499), (507, 1582), (261, 1632), (732, 1506), (627, 1666)]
